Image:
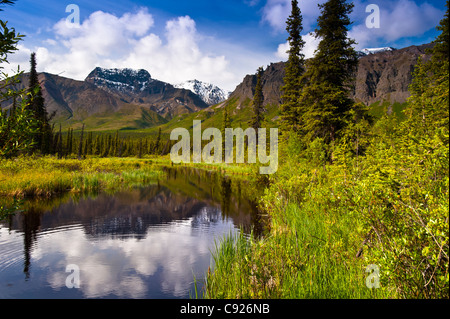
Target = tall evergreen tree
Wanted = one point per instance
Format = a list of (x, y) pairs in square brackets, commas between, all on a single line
[(428, 106), (80, 146), (44, 135), (441, 48), (60, 147), (258, 100), (139, 155), (158, 141), (69, 142), (290, 112), (226, 123), (116, 144), (325, 97)]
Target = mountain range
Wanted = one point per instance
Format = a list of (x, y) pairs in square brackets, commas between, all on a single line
[(110, 99)]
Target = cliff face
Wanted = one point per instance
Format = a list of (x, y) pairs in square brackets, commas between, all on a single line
[(382, 76), (386, 76), (272, 81)]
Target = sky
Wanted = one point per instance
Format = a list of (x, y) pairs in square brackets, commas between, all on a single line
[(217, 42)]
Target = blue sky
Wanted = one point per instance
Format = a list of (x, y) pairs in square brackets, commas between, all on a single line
[(213, 41)]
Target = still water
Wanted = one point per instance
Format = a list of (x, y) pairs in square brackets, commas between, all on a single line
[(148, 242)]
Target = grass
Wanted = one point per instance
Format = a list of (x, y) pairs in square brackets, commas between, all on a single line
[(48, 176), (309, 251), (302, 261)]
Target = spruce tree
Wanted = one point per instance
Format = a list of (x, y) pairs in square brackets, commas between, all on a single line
[(69, 142), (116, 144), (441, 48), (428, 106), (226, 123), (80, 146), (44, 136), (139, 155), (158, 141), (60, 147), (329, 75), (258, 100), (290, 112)]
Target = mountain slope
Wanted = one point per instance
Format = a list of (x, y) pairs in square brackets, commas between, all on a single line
[(78, 101), (386, 75), (381, 76), (137, 87), (209, 93)]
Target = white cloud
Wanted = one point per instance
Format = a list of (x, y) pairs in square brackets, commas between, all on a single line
[(106, 40), (399, 19), (309, 48), (282, 51), (276, 12), (180, 57)]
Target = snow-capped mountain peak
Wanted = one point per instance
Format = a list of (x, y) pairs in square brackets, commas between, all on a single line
[(120, 79), (209, 93), (368, 51)]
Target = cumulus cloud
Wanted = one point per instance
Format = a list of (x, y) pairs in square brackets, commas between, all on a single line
[(110, 41), (276, 12), (399, 19), (311, 43), (180, 57)]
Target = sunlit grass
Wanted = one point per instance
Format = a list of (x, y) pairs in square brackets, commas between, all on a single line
[(310, 250), (47, 176)]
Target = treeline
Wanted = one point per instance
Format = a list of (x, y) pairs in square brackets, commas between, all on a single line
[(25, 128), (108, 145)]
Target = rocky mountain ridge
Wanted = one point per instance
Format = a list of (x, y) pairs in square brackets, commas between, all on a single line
[(209, 93), (382, 75)]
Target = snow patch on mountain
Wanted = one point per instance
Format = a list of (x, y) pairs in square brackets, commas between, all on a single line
[(368, 51), (209, 93), (120, 79)]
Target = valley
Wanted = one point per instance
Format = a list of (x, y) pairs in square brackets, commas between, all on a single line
[(351, 203)]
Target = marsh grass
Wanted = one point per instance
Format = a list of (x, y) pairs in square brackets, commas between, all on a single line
[(305, 262), (310, 249), (49, 176)]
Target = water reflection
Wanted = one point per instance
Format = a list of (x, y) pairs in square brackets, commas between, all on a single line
[(148, 242)]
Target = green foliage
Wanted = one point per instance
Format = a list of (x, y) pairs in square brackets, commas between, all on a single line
[(383, 199), (324, 99), (17, 132), (8, 39), (18, 126), (44, 136), (290, 112), (441, 49), (6, 211)]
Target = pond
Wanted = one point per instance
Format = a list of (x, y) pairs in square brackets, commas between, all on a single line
[(146, 242)]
